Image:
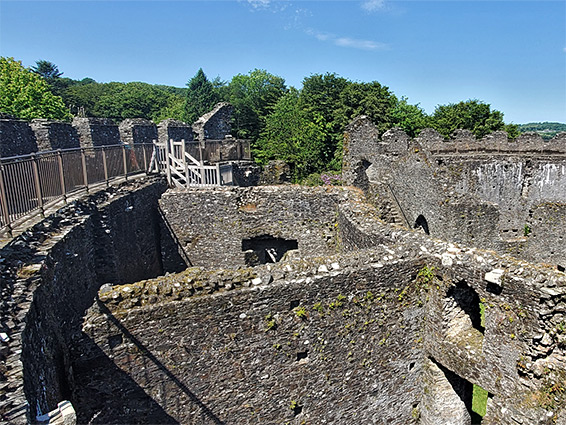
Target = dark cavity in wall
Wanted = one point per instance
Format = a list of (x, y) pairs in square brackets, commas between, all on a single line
[(469, 301), (266, 249), (421, 223), (494, 288)]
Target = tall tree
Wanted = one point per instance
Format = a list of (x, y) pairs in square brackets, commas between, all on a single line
[(201, 97), (292, 136), (410, 118), (253, 97), (26, 95), (48, 70), (320, 99), (371, 99)]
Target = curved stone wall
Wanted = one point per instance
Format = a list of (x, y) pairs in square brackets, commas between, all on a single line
[(50, 276)]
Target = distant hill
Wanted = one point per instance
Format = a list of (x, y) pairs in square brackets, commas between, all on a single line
[(546, 129)]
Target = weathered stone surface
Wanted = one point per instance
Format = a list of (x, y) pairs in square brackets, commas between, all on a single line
[(96, 131), (68, 256), (275, 172), (52, 135), (172, 129), (16, 137), (211, 224), (137, 130), (361, 322), (452, 190), (215, 124)]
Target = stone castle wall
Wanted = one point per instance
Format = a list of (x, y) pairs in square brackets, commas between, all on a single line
[(464, 193), (18, 137), (97, 131), (212, 223), (387, 334), (214, 124), (137, 130), (385, 329), (52, 273), (53, 135)]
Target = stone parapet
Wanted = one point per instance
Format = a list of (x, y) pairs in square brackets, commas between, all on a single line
[(96, 131)]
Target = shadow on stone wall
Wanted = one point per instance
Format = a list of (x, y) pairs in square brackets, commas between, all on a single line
[(173, 256), (118, 398), (105, 394)]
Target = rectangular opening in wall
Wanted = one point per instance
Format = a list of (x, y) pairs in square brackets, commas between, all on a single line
[(266, 249)]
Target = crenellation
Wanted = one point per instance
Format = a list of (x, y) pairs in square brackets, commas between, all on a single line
[(461, 193), (16, 137), (96, 131), (53, 135), (137, 130), (173, 129)]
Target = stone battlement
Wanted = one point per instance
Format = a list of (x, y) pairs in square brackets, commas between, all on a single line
[(18, 137)]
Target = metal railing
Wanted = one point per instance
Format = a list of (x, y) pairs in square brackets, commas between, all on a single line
[(30, 183)]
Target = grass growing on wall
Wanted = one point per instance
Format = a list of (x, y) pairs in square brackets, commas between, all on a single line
[(482, 315), (479, 402)]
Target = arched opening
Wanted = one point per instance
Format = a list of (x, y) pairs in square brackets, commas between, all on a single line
[(421, 223)]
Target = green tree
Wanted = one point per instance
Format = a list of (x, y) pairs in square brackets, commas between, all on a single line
[(253, 97), (131, 100), (51, 74), (175, 109), (410, 118), (371, 99), (26, 95), (472, 115), (201, 97), (47, 70), (125, 100), (291, 135), (84, 97), (321, 99)]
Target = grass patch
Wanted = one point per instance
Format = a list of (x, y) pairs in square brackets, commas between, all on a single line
[(482, 317), (479, 401)]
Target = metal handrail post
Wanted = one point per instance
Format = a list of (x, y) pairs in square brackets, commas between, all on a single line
[(105, 166), (125, 162), (144, 157), (4, 201), (85, 175), (62, 176), (37, 183)]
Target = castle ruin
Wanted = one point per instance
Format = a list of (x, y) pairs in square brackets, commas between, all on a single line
[(439, 267)]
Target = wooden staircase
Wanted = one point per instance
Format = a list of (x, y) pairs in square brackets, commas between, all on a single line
[(183, 170)]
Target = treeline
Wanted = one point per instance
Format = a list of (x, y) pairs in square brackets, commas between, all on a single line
[(546, 129), (303, 127)]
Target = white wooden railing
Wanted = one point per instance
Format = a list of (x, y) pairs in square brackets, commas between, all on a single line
[(183, 170)]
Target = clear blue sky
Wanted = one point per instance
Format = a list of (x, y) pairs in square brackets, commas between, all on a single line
[(511, 54)]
